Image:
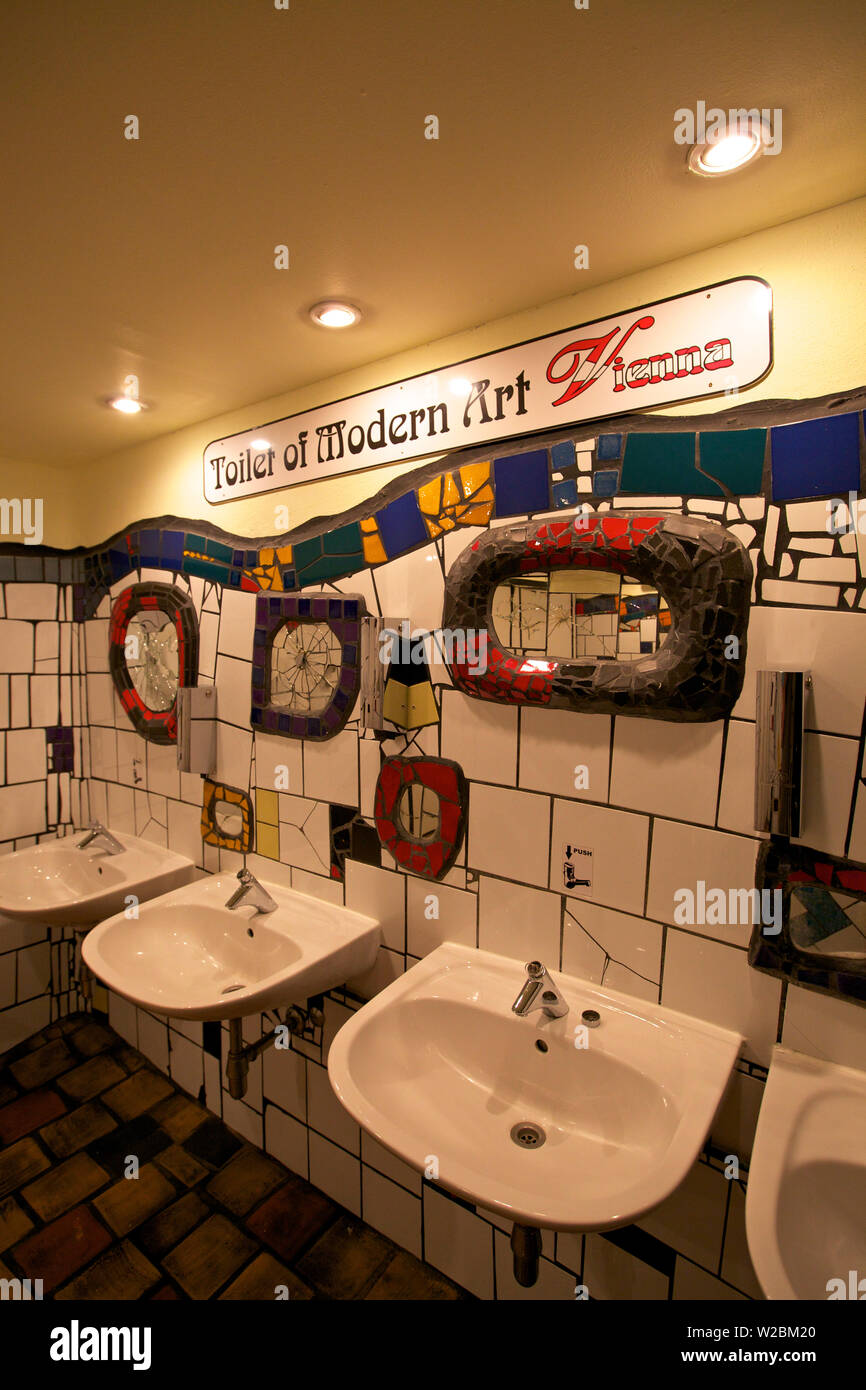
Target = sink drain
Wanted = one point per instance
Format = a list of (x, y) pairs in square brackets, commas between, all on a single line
[(527, 1135)]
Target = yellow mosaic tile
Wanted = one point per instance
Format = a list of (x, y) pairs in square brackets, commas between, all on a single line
[(473, 477), (374, 550), (267, 806), (268, 839)]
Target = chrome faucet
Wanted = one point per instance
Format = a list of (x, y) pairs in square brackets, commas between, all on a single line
[(251, 894), (539, 992), (99, 833)]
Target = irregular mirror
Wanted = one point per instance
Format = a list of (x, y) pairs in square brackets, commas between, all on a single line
[(305, 667), (228, 818), (151, 658), (568, 614), (815, 935), (153, 652), (418, 812)]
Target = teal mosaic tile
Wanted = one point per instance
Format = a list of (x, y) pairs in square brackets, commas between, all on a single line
[(734, 457), (664, 463)]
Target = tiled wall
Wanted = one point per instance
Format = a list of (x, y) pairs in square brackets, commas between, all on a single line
[(40, 763), (667, 805)]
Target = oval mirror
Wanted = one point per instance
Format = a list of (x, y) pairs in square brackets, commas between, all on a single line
[(570, 614)]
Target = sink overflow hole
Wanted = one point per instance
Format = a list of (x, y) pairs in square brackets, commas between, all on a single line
[(230, 989), (527, 1135), (541, 1045), (250, 931)]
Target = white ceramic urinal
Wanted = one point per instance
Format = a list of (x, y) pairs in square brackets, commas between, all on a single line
[(806, 1195)]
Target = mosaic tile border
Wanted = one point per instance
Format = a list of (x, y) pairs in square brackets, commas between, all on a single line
[(212, 792), (700, 568), (160, 726), (343, 615), (427, 858)]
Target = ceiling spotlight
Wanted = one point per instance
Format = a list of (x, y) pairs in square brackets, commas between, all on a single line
[(331, 313), (731, 150), (127, 405)]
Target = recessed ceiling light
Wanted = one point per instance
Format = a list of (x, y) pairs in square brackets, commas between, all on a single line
[(332, 313), (127, 405), (731, 151)]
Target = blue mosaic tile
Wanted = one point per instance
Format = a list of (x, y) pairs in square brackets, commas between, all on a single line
[(608, 447), (606, 482), (562, 455), (401, 525), (565, 493), (521, 483), (816, 457)]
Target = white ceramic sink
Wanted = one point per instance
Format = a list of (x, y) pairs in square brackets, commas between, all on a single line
[(806, 1195), (189, 956), (438, 1065), (58, 883)]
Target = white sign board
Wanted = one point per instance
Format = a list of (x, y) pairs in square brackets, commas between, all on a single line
[(714, 340)]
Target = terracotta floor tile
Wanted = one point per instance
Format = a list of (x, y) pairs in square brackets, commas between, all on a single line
[(43, 1065), (346, 1260), (128, 1057), (32, 1111), (59, 1250), (132, 1200), (166, 1294), (123, 1272), (243, 1182), (19, 1164), (181, 1165), (292, 1218), (137, 1094), (93, 1076), (406, 1278), (14, 1223), (93, 1037), (208, 1257), (212, 1143), (64, 1186), (179, 1116), (141, 1136), (78, 1128), (262, 1278), (168, 1228), (7, 1092)]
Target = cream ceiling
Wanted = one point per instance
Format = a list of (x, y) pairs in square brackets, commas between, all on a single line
[(305, 126)]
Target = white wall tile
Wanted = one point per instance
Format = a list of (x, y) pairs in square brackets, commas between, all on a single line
[(823, 1026), (455, 920), (682, 857), (331, 769), (708, 980), (481, 737), (375, 1155), (153, 1039), (737, 801), (279, 764), (22, 810), (381, 894), (612, 1273), (26, 759), (631, 942), (618, 841), (672, 771), (326, 1114), (692, 1218), (286, 1140), (555, 747), (799, 638), (509, 833), (304, 833), (32, 601), (829, 772), (16, 646), (459, 1243), (391, 1210), (335, 1173), (518, 921), (237, 623), (233, 683), (186, 1064)]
